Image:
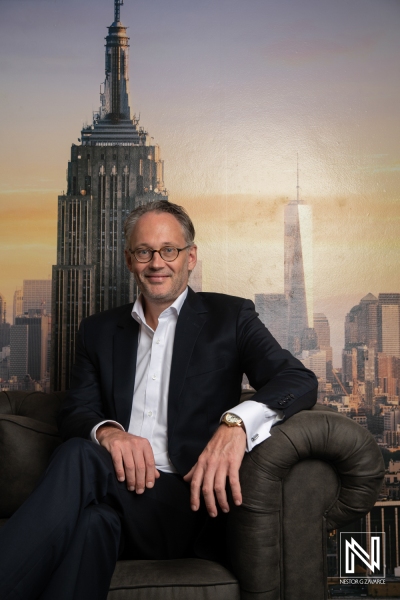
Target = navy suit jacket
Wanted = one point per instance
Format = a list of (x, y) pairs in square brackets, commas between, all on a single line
[(217, 339)]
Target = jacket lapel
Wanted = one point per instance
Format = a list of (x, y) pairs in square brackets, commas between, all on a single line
[(191, 319), (124, 367)]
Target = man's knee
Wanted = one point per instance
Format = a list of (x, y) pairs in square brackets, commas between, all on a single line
[(103, 527), (103, 516)]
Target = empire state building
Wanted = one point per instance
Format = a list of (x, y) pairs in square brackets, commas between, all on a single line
[(112, 170)]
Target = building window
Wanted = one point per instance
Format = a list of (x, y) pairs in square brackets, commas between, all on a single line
[(139, 185), (88, 184)]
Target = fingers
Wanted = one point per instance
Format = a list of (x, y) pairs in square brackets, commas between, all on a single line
[(133, 460), (220, 490), (235, 487), (150, 466), (220, 461), (139, 465), (116, 456), (188, 476), (211, 482), (195, 485), (208, 492)]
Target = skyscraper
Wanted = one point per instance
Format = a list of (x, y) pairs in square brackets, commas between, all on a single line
[(36, 296), (322, 329), (298, 270), (18, 305), (316, 361), (111, 171), (321, 326), (38, 334), (389, 324), (273, 312), (19, 336), (361, 325), (4, 326), (389, 374), (368, 320), (2, 309)]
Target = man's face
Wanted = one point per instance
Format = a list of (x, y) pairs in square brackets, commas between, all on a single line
[(159, 281)]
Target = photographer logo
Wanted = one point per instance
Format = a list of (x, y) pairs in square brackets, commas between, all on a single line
[(362, 554)]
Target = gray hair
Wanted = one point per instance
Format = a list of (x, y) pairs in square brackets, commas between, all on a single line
[(160, 206)]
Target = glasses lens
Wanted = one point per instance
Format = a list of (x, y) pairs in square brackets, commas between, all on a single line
[(169, 253), (143, 255)]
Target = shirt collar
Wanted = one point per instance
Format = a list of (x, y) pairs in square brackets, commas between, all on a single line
[(175, 307)]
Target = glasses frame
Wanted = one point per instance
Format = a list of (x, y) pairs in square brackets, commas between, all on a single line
[(159, 252)]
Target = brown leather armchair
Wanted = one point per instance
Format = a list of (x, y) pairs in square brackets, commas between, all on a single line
[(318, 471)]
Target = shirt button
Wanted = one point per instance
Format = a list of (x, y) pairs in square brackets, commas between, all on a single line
[(158, 341), (149, 414), (154, 377)]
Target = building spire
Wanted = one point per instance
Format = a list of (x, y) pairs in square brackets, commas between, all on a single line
[(117, 4), (113, 121), (115, 98)]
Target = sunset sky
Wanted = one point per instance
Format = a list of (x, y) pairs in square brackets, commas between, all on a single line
[(232, 90)]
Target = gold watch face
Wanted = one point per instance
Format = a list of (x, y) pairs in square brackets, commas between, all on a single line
[(231, 419)]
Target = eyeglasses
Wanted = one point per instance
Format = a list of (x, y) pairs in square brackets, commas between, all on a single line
[(167, 253)]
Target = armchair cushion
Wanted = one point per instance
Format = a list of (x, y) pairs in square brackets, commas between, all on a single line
[(25, 449), (36, 405), (184, 579)]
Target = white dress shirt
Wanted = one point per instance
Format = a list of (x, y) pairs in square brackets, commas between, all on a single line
[(149, 416)]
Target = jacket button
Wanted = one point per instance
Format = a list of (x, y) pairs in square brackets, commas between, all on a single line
[(282, 402)]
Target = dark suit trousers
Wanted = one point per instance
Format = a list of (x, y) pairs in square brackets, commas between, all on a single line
[(65, 539)]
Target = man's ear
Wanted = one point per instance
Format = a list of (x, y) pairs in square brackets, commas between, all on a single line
[(128, 259), (192, 257)]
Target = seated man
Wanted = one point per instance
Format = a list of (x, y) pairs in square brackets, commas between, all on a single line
[(152, 423)]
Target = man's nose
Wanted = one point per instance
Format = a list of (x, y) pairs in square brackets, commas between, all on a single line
[(157, 261)]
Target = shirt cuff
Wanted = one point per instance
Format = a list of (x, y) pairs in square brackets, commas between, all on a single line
[(95, 428), (258, 420)]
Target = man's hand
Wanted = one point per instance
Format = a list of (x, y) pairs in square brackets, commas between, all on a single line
[(132, 456), (221, 458)]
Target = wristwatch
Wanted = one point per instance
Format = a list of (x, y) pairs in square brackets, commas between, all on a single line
[(232, 420)]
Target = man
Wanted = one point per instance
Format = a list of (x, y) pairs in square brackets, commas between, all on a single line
[(153, 423)]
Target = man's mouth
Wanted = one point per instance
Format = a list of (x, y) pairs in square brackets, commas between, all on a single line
[(156, 277)]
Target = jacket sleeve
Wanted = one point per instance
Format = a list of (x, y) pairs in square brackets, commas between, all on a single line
[(83, 407), (280, 380)]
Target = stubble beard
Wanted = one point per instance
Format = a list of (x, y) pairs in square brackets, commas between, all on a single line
[(149, 291)]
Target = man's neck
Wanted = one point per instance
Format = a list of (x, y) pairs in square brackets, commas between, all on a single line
[(152, 310)]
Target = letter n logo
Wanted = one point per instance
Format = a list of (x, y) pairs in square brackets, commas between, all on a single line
[(363, 550), (353, 549)]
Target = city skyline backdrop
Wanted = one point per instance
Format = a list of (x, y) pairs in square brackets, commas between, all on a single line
[(231, 92)]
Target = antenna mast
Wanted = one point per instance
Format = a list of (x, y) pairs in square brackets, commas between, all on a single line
[(117, 4)]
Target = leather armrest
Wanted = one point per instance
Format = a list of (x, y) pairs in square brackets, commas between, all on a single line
[(321, 433), (355, 471)]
